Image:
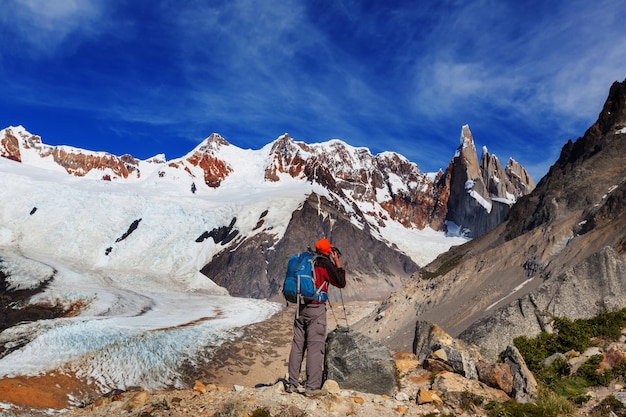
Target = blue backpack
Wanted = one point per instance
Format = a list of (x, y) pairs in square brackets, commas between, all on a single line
[(299, 286)]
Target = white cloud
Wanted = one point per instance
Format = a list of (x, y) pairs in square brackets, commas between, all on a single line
[(46, 25)]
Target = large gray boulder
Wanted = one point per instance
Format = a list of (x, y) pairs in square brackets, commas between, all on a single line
[(359, 363)]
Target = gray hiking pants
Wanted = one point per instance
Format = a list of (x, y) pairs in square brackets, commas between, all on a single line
[(309, 334)]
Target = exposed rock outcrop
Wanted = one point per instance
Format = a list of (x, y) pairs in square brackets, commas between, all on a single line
[(74, 161)]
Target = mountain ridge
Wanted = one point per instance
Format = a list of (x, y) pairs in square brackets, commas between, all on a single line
[(569, 229), (375, 193), (387, 180)]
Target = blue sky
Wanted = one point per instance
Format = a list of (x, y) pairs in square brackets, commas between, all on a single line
[(158, 76)]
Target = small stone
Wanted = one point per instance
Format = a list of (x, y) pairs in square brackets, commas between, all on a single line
[(425, 396), (358, 400), (138, 400), (440, 354), (199, 386), (238, 388), (332, 387), (402, 396)]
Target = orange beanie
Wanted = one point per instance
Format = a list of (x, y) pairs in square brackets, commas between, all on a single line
[(323, 246)]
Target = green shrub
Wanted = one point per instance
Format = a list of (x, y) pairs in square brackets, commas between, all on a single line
[(470, 400), (589, 369), (261, 412), (443, 269), (607, 405), (572, 335), (548, 404), (535, 350), (569, 335)]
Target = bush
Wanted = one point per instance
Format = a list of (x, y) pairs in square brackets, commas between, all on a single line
[(548, 405), (607, 405), (589, 369), (572, 335), (261, 412)]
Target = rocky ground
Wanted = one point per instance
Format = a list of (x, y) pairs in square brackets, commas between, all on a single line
[(242, 381)]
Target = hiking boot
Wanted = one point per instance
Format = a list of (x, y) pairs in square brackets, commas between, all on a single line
[(314, 393)]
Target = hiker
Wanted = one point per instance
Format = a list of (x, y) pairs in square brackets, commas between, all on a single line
[(309, 326)]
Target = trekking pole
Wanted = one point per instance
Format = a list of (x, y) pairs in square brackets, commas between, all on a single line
[(344, 309), (332, 310)]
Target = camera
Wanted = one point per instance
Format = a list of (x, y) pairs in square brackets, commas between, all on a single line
[(336, 251)]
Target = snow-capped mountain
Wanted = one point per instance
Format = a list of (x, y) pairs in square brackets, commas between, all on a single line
[(134, 264)]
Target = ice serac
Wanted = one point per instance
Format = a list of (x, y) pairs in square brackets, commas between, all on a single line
[(481, 193)]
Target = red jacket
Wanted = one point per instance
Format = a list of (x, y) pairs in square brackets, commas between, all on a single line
[(326, 271)]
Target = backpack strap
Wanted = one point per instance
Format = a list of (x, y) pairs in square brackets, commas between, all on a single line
[(323, 288)]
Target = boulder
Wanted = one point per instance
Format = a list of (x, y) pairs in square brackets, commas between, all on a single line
[(612, 357), (454, 389), (495, 375), (432, 342), (425, 396), (525, 386), (405, 361), (460, 359), (358, 362)]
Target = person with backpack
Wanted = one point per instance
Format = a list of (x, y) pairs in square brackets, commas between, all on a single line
[(309, 326)]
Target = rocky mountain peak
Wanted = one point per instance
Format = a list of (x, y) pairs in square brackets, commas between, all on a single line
[(612, 119), (206, 157), (15, 138), (212, 144), (16, 141), (580, 175), (286, 157), (480, 194), (466, 152)]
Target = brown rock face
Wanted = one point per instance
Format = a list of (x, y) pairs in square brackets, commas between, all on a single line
[(9, 146), (495, 375), (79, 164), (75, 163), (286, 158), (215, 170)]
